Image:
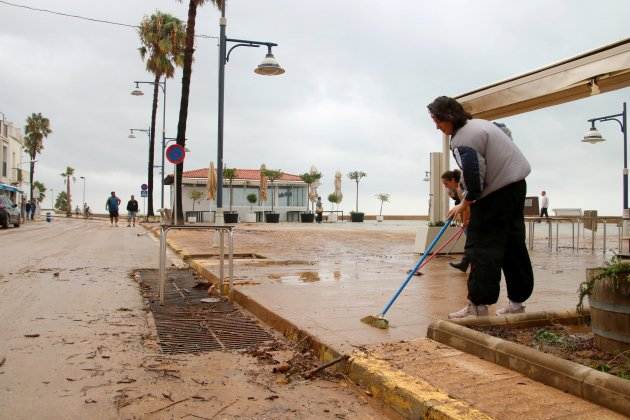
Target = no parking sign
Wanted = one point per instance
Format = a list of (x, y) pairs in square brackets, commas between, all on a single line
[(175, 154)]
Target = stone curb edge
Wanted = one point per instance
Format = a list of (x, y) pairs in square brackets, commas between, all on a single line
[(592, 385)]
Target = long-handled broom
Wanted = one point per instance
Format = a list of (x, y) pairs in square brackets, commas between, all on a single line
[(379, 320)]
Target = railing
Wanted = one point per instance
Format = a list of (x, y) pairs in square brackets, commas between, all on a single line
[(221, 230), (581, 223), (203, 216)]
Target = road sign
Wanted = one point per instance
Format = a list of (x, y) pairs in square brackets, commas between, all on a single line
[(175, 154), (144, 187), (144, 193)]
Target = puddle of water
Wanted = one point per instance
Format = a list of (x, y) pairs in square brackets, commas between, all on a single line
[(305, 277)]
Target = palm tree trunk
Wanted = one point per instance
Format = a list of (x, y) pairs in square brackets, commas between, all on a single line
[(231, 191), (357, 196), (69, 209), (32, 174), (152, 146), (380, 213), (183, 106), (308, 188)]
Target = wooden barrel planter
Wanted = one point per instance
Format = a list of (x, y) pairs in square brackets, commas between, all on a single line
[(610, 313)]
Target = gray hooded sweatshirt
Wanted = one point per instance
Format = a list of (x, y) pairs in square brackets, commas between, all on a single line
[(488, 158)]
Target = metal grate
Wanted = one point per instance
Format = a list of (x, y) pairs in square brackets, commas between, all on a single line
[(186, 325)]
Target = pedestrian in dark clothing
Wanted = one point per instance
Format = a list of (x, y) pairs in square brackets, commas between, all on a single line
[(111, 205), (132, 211), (33, 208), (28, 210), (494, 172)]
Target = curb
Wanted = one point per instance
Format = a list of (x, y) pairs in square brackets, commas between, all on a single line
[(407, 396), (598, 387)]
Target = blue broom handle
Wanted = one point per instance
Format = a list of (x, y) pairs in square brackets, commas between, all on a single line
[(415, 267)]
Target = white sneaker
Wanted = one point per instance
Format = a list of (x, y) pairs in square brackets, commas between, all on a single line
[(470, 310), (512, 308)]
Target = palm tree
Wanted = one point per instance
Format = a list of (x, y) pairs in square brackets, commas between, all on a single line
[(309, 178), (67, 175), (37, 128), (383, 198), (41, 188), (357, 176), (272, 175), (183, 106), (162, 38), (195, 195), (230, 174)]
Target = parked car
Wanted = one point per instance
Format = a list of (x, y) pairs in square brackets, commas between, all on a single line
[(9, 213)]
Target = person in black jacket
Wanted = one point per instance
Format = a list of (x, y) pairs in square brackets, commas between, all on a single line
[(132, 210)]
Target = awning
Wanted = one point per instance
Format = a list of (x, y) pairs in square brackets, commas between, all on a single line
[(11, 188), (602, 70)]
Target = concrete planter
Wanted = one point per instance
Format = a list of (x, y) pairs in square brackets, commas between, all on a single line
[(272, 217), (307, 217), (357, 217), (250, 218), (425, 234), (230, 217), (599, 387), (332, 217), (379, 218)]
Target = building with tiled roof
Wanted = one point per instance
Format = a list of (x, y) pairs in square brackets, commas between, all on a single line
[(288, 193)]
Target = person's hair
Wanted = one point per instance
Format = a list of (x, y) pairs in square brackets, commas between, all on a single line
[(454, 175), (113, 192), (444, 108)]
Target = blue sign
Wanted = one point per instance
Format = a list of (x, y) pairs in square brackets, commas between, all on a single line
[(144, 187), (175, 154), (144, 193)]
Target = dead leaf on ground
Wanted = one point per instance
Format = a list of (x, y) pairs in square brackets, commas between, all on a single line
[(90, 401), (126, 380), (31, 335), (272, 397)]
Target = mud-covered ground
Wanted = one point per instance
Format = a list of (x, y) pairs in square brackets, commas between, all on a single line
[(77, 342)]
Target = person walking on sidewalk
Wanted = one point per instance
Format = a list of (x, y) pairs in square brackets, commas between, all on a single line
[(319, 210), (33, 208), (28, 210), (452, 182), (132, 211), (544, 205), (112, 205), (494, 172)]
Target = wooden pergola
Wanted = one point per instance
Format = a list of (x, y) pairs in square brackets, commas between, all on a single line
[(598, 71)]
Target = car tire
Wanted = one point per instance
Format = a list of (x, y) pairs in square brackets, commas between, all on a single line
[(5, 223)]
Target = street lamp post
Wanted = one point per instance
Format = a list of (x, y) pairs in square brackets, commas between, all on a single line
[(138, 92), (268, 67), (133, 136), (593, 136), (83, 178)]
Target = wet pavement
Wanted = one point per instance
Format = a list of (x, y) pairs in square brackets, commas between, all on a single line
[(325, 278)]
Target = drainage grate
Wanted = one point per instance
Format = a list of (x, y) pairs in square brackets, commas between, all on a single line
[(186, 325)]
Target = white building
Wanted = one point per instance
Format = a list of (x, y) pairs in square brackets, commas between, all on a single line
[(12, 176), (289, 194)]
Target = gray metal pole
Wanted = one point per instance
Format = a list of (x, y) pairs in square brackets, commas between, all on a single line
[(163, 142), (624, 129), (222, 48)]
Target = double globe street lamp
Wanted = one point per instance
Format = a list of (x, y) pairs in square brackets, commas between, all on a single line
[(268, 67)]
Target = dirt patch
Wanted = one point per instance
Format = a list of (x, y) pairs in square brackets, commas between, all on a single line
[(570, 342)]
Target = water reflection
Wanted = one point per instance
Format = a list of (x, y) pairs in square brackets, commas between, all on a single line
[(303, 277)]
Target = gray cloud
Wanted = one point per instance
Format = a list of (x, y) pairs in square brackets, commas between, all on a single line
[(359, 76)]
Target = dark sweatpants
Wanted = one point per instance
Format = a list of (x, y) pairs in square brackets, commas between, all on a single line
[(495, 241)]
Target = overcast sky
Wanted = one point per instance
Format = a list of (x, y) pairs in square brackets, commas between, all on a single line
[(359, 76)]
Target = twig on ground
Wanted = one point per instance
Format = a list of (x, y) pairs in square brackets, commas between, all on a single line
[(225, 407), (312, 372), (167, 406)]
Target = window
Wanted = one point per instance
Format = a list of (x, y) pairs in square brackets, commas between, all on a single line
[(5, 164)]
